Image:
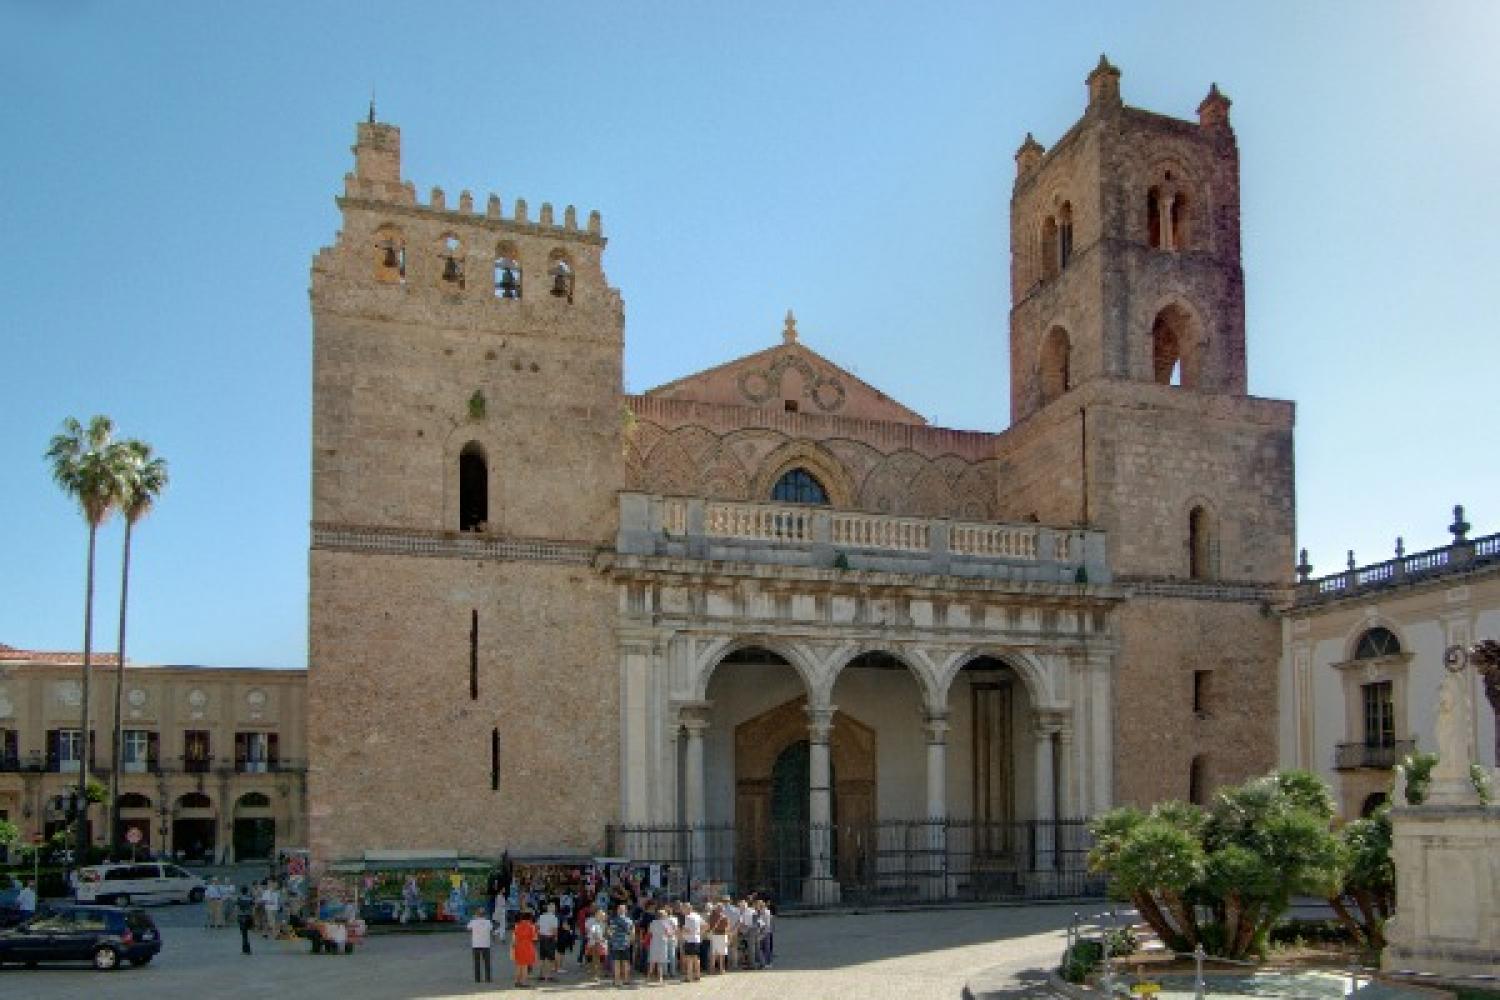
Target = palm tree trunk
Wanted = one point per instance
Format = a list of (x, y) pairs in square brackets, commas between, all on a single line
[(115, 758), (84, 742)]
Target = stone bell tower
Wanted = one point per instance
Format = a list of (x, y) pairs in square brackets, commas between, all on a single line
[(1131, 414), (466, 454)]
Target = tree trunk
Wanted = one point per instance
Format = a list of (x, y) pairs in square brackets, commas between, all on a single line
[(1234, 915), (1184, 916), (1245, 934), (1145, 903), (1372, 922), (114, 774), (85, 743)]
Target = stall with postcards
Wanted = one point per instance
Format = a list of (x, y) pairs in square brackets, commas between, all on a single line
[(409, 890)]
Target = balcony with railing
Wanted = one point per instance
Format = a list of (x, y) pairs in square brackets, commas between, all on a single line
[(1463, 555), (821, 537), (1377, 756)]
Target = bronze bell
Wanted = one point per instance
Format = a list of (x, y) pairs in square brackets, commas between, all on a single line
[(562, 284), (390, 255), (450, 269), (508, 284)]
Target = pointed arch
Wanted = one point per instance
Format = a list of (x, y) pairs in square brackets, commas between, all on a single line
[(1178, 346), (813, 457)]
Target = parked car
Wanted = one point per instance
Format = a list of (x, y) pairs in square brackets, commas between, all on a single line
[(103, 935), (138, 882)]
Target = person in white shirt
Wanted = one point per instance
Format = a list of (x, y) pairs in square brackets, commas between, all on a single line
[(731, 914), (546, 929), (213, 898), (270, 901), (692, 944), (481, 933), (26, 901), (749, 936)]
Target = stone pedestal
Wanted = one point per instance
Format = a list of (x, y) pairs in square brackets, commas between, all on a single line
[(1447, 919)]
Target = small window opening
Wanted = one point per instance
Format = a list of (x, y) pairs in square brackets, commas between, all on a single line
[(495, 759), (453, 263), (561, 273), (1153, 218), (1200, 545), (1380, 714), (507, 274), (1064, 235), (799, 486), (474, 654), (790, 405), (473, 489), (1198, 781), (1201, 681), (390, 258), (1056, 370)]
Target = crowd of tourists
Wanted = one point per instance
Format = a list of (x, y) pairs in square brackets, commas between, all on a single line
[(621, 935)]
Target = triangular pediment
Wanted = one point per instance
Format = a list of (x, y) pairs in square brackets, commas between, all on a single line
[(789, 377)]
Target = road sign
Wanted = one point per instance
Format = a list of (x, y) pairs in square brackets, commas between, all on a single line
[(133, 835)]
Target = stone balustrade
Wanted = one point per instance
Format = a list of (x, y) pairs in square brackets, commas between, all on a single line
[(798, 535), (1461, 556)]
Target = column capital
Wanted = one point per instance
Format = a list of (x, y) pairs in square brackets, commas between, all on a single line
[(1049, 722), (693, 716), (935, 726), (820, 722)]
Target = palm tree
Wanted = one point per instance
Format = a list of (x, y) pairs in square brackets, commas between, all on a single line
[(145, 478), (89, 465)]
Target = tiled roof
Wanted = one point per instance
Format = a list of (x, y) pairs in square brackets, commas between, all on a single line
[(10, 654)]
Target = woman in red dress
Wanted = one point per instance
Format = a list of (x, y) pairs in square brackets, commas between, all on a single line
[(523, 946)]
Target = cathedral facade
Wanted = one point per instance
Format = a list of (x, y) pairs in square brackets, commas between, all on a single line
[(768, 597)]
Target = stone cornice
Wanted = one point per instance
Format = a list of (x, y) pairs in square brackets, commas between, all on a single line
[(448, 545)]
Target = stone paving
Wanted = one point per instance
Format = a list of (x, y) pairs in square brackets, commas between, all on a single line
[(995, 952)]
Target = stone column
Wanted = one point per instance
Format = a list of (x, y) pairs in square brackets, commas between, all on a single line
[(1045, 796), (635, 657), (821, 885), (1066, 808), (694, 720), (935, 728)]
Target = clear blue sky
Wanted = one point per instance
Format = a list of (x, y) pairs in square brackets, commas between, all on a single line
[(169, 169)]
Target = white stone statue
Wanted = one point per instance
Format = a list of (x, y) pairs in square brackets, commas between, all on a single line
[(1451, 784)]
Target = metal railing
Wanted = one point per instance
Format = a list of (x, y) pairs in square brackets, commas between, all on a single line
[(1352, 756), (886, 861)]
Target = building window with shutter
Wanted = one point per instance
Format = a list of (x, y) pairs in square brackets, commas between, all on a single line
[(134, 751), (197, 754), (252, 752)]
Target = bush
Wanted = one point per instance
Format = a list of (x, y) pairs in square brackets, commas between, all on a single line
[(1080, 960), (1122, 941), (1311, 932)]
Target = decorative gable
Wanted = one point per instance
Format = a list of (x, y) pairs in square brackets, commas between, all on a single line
[(792, 378)]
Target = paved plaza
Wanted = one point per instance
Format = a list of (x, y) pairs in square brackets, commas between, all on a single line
[(932, 953)]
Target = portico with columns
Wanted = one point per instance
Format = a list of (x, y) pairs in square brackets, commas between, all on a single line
[(969, 712)]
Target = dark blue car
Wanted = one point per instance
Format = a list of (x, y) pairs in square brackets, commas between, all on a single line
[(103, 935)]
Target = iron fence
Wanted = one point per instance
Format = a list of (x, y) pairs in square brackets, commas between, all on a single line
[(888, 861)]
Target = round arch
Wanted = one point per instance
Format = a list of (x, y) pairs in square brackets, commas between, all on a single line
[(927, 684), (817, 460), (1032, 673), (708, 664), (469, 436), (1381, 632), (1175, 333), (1055, 374)]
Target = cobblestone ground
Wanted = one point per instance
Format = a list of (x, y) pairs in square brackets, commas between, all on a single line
[(934, 953)]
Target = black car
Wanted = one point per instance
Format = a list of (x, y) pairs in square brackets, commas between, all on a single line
[(104, 935)]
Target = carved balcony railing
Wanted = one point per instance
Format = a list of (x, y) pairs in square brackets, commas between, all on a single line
[(1353, 756), (799, 535), (1455, 558)]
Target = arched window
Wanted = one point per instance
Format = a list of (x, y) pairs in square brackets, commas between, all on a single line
[(1175, 351), (1056, 364), (1372, 802), (390, 256), (560, 272), (1153, 218), (1064, 234), (1049, 248), (451, 255), (473, 488), (1376, 642), (507, 272), (254, 800), (1200, 544), (134, 800), (194, 800), (799, 486), (1177, 220)]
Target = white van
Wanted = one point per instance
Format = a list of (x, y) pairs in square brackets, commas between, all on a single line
[(138, 882)]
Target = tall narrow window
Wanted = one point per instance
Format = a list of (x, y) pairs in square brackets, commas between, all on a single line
[(1057, 376), (799, 486), (474, 655), (451, 255), (495, 759), (196, 751), (390, 256), (1177, 218), (473, 489), (1201, 681), (1153, 218), (1380, 714), (1049, 248), (507, 273), (1064, 235), (133, 751), (1200, 545), (1197, 782)]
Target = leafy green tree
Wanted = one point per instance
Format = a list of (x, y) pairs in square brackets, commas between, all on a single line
[(1369, 878), (1240, 862), (89, 465), (144, 479), (9, 833)]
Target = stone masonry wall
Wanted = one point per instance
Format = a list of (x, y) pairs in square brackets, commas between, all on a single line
[(400, 752)]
